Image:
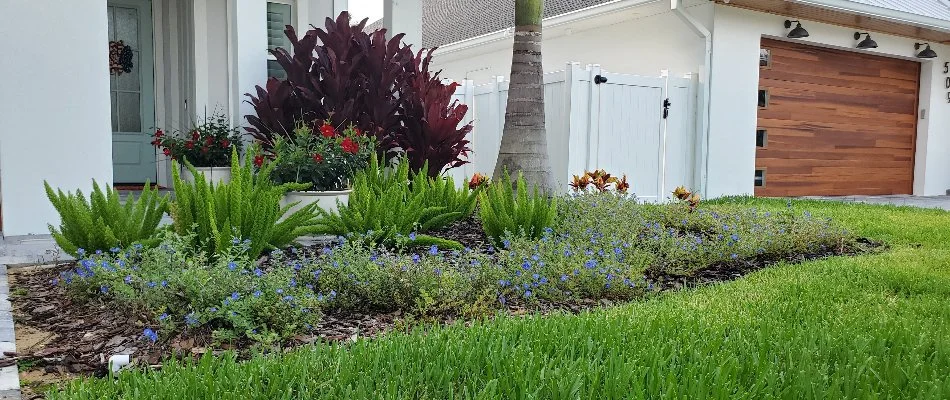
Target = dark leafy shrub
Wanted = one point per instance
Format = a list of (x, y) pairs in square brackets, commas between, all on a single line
[(325, 157), (382, 209), (431, 120), (103, 222), (359, 78), (506, 210), (246, 209)]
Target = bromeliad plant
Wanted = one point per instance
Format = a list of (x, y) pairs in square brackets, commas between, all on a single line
[(207, 144), (600, 180), (244, 211), (326, 158), (508, 211), (687, 197), (103, 222)]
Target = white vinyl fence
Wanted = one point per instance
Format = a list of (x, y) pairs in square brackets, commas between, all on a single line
[(617, 125)]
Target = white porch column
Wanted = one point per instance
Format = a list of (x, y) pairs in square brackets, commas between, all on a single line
[(314, 12), (248, 25), (54, 105), (404, 16)]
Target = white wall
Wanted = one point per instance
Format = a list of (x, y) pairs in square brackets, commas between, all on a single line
[(54, 106), (641, 41), (735, 78)]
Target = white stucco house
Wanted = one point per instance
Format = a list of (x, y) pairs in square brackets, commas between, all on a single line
[(67, 119), (777, 113), (769, 114)]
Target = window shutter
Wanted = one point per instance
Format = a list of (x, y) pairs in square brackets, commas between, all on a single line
[(278, 16)]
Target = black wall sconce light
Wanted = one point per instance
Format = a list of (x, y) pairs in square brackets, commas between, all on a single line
[(796, 33), (600, 79), (927, 52), (867, 43)]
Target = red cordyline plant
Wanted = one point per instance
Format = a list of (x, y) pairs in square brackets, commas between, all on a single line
[(377, 85)]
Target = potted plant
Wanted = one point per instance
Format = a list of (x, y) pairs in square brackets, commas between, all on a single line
[(206, 146), (323, 156)]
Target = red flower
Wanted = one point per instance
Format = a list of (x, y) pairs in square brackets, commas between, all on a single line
[(156, 142), (159, 133), (357, 131), (194, 135), (209, 141), (327, 130), (258, 161), (189, 144), (167, 152), (225, 143), (317, 158), (204, 149), (349, 146)]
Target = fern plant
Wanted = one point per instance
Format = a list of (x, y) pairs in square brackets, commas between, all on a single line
[(245, 211), (382, 209), (505, 210), (103, 222), (458, 202)]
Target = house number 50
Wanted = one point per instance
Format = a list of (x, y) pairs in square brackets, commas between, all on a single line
[(946, 70)]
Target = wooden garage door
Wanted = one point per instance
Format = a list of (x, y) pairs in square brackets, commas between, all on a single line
[(834, 122)]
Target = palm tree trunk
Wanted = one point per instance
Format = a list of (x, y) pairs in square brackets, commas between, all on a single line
[(524, 146)]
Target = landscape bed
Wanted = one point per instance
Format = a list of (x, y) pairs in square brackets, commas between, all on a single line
[(115, 301), (872, 326)]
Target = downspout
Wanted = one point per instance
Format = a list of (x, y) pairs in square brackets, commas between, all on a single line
[(699, 29)]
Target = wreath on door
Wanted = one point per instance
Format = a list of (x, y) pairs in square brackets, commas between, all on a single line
[(120, 57)]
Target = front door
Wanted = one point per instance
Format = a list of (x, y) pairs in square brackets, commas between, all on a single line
[(132, 90)]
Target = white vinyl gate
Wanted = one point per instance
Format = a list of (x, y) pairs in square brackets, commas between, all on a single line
[(617, 125)]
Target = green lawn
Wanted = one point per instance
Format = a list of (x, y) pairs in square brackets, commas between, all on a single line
[(874, 326)]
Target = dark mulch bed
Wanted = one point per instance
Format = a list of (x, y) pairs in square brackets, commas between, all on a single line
[(468, 232), (87, 334)]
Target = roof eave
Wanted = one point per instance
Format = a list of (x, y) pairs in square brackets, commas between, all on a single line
[(550, 22), (896, 16)]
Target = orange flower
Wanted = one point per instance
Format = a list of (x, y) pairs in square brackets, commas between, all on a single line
[(477, 181), (622, 185), (681, 193), (580, 182)]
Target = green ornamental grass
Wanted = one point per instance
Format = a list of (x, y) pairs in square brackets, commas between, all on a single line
[(103, 222), (223, 215), (509, 209)]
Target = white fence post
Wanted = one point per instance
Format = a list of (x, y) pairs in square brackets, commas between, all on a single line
[(593, 118), (578, 145)]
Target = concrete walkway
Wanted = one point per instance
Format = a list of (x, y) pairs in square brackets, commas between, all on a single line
[(18, 250), (940, 202)]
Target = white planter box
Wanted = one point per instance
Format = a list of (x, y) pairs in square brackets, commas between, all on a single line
[(325, 200), (217, 175)]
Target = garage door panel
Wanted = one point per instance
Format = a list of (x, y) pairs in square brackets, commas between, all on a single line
[(803, 128), (844, 142), (837, 122), (832, 69)]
